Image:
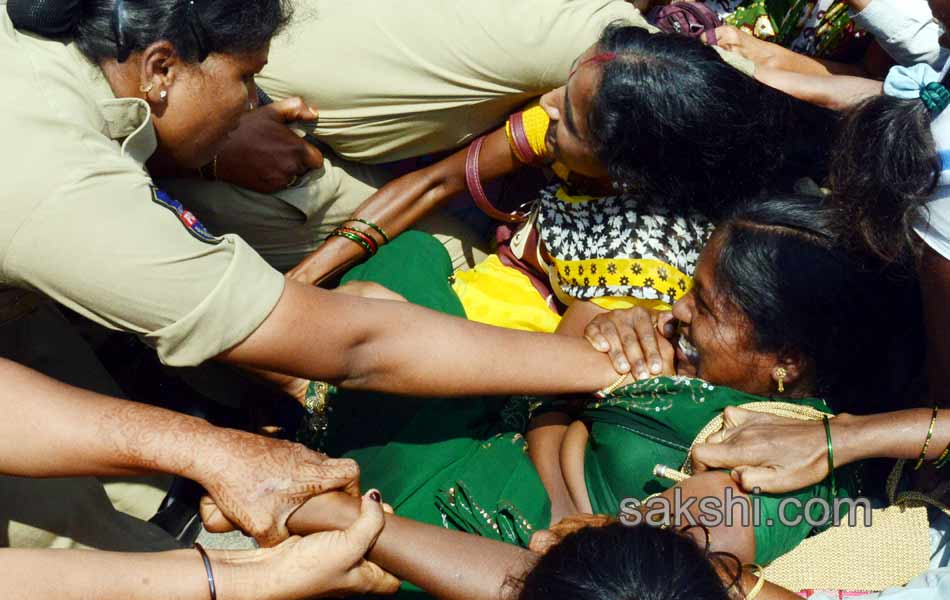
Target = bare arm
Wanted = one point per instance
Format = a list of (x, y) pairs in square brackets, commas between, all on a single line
[(836, 92), (50, 429), (780, 455), (769, 54), (397, 347), (544, 437), (178, 575), (403, 202), (323, 565), (448, 564)]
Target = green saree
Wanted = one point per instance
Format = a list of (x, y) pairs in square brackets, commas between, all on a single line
[(462, 463)]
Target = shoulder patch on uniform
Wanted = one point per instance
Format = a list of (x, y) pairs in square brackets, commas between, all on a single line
[(185, 216)]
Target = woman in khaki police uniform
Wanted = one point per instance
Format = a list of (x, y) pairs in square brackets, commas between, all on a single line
[(82, 223)]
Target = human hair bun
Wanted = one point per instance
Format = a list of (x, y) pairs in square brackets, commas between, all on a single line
[(49, 18)]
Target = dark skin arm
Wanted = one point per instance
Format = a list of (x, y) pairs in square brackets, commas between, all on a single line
[(448, 564), (370, 344), (544, 437), (457, 566), (403, 202), (780, 455)]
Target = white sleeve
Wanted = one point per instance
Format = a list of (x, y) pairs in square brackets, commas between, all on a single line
[(907, 31)]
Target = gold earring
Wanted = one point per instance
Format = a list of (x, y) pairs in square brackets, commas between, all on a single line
[(780, 374), (146, 88)]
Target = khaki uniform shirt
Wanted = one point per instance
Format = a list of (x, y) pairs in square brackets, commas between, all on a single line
[(81, 222), (398, 79)]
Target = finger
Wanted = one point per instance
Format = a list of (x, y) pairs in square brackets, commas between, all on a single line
[(369, 578), (765, 479), (647, 338), (668, 355), (734, 417), (593, 334), (330, 474), (666, 324), (542, 541), (362, 533), (212, 517), (715, 456), (620, 359), (293, 109), (312, 157)]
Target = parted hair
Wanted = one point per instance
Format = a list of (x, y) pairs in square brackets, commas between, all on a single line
[(113, 29)]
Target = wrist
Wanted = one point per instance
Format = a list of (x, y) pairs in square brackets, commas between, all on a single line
[(199, 458), (240, 575), (330, 511), (846, 439)]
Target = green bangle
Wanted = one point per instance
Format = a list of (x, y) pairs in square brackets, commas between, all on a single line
[(942, 460), (374, 226), (831, 458), (353, 238)]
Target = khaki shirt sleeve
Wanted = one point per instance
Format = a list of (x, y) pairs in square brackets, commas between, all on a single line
[(108, 249)]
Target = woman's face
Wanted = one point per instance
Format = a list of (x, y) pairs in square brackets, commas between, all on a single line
[(204, 104), (716, 341), (568, 106)]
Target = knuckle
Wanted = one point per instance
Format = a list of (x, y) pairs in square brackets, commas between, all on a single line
[(631, 341)]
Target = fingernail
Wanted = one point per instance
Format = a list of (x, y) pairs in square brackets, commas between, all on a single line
[(603, 346), (642, 374), (313, 110), (624, 366), (375, 496), (656, 366)]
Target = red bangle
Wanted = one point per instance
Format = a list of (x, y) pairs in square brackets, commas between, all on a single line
[(363, 236), (474, 181), (520, 138)]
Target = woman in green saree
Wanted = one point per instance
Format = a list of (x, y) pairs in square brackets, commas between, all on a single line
[(774, 314)]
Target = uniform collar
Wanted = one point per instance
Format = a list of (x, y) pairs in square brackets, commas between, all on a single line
[(128, 120)]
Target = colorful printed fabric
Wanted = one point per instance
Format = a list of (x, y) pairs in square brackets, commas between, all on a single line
[(620, 246), (819, 28)]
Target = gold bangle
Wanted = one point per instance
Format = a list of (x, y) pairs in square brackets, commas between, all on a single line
[(610, 389), (930, 435)]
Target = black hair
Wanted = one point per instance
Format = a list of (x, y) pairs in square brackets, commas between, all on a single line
[(672, 120), (113, 29), (883, 169), (618, 562), (782, 267)]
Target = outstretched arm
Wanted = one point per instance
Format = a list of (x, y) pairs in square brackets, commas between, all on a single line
[(835, 92), (403, 202), (384, 345), (50, 429), (779, 455), (327, 564), (448, 564)]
